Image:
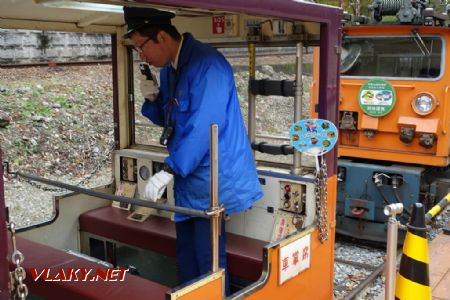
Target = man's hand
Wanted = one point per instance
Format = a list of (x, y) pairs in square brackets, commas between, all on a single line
[(156, 185), (149, 87)]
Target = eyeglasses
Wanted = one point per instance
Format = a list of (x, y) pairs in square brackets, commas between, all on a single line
[(140, 48)]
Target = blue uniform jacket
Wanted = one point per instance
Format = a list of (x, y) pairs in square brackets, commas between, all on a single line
[(205, 93)]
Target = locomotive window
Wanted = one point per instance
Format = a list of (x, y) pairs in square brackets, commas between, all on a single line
[(399, 56)]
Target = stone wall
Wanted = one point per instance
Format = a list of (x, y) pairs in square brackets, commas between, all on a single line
[(31, 46)]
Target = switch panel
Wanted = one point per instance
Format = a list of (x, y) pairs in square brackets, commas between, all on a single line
[(138, 166), (292, 196)]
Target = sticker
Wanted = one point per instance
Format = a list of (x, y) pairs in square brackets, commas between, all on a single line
[(313, 136), (376, 98)]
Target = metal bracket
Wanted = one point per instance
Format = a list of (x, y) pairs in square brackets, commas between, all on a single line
[(213, 211)]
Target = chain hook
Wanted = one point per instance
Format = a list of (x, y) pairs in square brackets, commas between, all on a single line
[(321, 198), (7, 168), (18, 275)]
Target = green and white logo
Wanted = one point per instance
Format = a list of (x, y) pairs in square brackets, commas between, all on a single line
[(376, 98)]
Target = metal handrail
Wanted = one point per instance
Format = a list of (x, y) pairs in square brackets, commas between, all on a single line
[(139, 202), (214, 196), (298, 103), (391, 210)]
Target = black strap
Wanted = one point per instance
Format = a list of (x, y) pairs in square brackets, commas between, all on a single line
[(169, 123), (266, 87)]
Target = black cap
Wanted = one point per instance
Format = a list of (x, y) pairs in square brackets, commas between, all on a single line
[(137, 17)]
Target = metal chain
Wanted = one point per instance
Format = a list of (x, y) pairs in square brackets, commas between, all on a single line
[(322, 200), (83, 181), (19, 290), (324, 208)]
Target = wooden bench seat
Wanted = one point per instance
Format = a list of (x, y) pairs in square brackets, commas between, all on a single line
[(158, 234), (39, 257)]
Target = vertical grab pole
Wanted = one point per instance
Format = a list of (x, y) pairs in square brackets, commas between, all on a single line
[(391, 210), (214, 192), (298, 101), (251, 96), (4, 271)]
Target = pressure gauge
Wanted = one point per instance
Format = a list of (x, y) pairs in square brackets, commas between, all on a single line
[(144, 172)]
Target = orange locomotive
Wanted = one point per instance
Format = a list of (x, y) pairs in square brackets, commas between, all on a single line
[(394, 116)]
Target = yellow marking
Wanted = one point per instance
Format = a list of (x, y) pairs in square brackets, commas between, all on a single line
[(447, 197), (406, 289), (416, 247), (251, 60), (435, 210)]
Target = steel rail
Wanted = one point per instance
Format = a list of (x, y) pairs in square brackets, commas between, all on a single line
[(358, 289), (355, 263)]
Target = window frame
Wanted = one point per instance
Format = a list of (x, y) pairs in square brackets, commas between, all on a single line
[(371, 37)]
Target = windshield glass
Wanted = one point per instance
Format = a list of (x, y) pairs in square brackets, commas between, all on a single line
[(397, 56)]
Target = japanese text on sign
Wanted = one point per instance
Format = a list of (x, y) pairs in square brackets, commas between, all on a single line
[(218, 25), (294, 258)]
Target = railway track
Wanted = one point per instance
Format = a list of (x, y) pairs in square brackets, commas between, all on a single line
[(357, 271)]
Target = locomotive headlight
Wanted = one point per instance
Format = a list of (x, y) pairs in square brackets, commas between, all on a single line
[(424, 103)]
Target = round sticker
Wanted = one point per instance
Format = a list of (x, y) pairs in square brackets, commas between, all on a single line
[(376, 97), (313, 136)]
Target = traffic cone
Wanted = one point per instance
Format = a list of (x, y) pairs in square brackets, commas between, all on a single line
[(413, 279)]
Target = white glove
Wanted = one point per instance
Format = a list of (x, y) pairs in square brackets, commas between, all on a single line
[(156, 185), (149, 88)]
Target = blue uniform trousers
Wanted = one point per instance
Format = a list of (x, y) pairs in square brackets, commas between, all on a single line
[(194, 249)]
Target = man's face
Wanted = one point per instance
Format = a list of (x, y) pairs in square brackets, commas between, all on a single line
[(155, 54)]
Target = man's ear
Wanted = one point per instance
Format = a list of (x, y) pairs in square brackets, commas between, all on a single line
[(160, 37)]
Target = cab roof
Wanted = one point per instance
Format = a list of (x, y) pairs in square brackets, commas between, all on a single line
[(60, 11)]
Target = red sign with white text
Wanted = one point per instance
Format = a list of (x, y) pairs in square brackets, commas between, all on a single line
[(218, 25)]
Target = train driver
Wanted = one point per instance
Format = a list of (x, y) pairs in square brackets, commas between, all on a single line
[(196, 89)]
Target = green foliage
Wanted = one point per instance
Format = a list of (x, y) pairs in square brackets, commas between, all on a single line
[(34, 107), (62, 100), (36, 93), (350, 5)]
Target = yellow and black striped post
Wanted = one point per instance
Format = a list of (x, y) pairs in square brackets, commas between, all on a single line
[(413, 280), (438, 208)]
